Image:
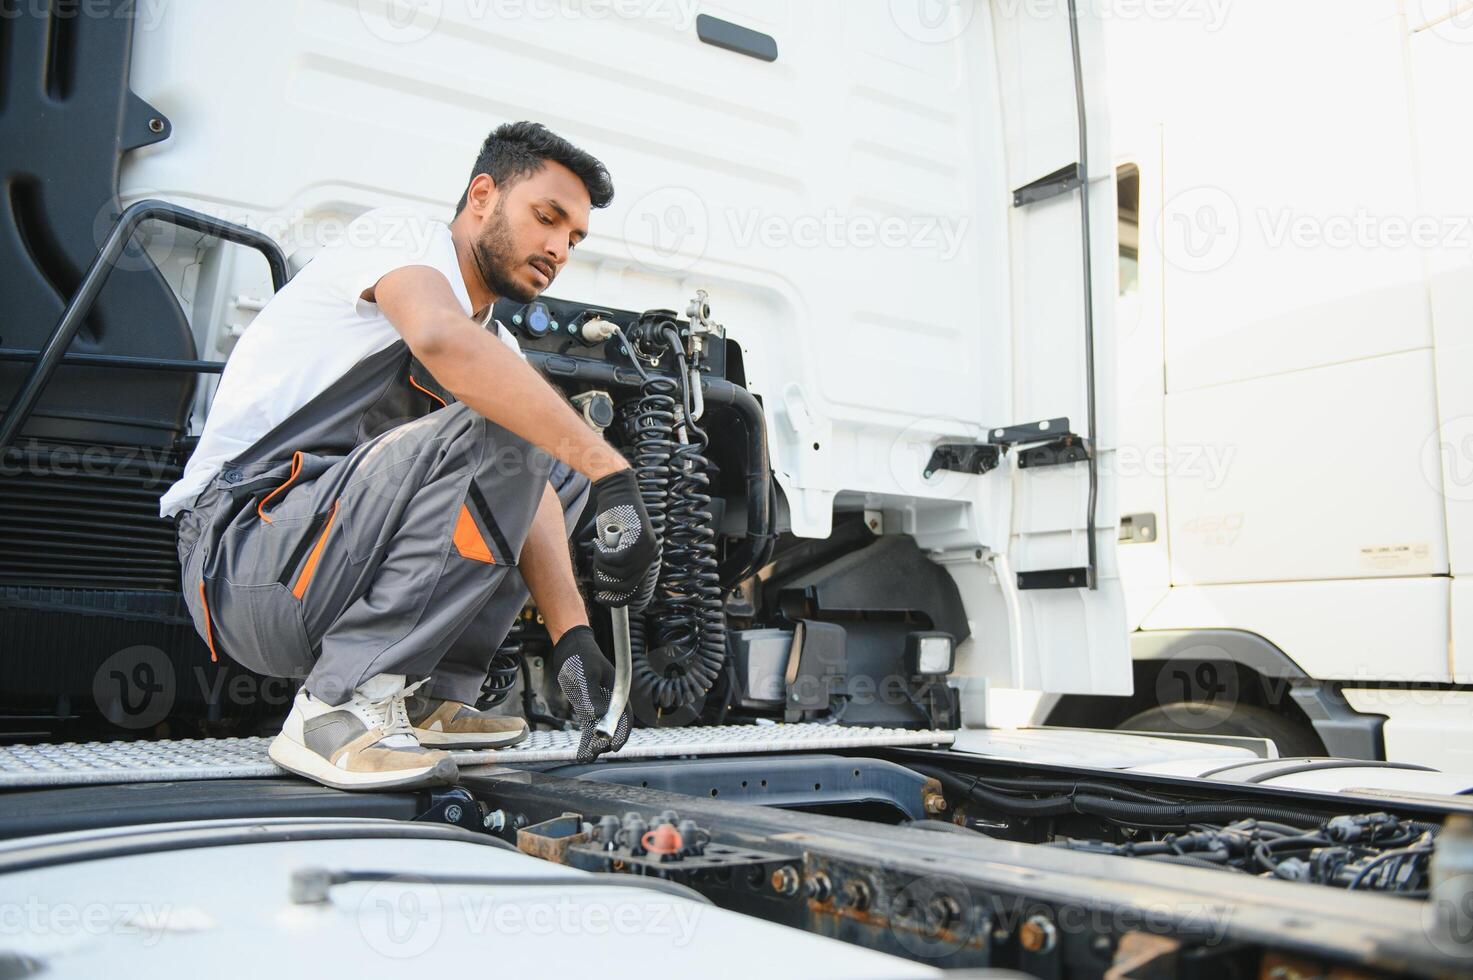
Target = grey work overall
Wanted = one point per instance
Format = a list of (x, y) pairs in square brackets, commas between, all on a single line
[(376, 530)]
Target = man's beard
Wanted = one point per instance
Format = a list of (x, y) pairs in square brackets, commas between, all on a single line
[(496, 262)]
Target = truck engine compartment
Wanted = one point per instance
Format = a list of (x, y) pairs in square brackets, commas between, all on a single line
[(939, 856)]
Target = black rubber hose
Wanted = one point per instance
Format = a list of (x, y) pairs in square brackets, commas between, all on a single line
[(653, 425), (756, 549), (1071, 786), (689, 623), (1183, 814), (679, 649), (1094, 804)]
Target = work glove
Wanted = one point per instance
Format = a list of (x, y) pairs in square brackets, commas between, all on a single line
[(626, 553), (586, 678)]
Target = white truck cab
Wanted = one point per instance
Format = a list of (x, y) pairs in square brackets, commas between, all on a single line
[(854, 209), (1294, 291)]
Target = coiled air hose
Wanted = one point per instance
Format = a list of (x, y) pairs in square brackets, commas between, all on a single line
[(501, 676), (678, 655)]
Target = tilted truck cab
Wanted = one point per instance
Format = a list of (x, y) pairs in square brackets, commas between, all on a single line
[(861, 262)]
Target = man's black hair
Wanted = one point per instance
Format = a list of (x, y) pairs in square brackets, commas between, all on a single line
[(516, 150)]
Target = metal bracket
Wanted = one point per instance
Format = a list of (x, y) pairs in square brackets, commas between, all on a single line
[(1055, 578), (964, 457), (1051, 444), (454, 806), (1061, 181), (1030, 433), (1071, 449)]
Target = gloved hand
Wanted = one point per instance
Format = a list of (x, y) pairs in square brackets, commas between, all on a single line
[(619, 569), (587, 678)]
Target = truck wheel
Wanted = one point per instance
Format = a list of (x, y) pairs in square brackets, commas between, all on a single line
[(1221, 719)]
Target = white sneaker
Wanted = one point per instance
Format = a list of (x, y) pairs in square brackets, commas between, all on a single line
[(365, 743)]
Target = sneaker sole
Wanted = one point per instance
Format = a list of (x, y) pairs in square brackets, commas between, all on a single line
[(468, 740), (297, 758)]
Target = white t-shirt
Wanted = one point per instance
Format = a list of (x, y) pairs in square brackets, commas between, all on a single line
[(312, 333)]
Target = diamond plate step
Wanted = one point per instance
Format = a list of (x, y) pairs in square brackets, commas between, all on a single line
[(80, 763)]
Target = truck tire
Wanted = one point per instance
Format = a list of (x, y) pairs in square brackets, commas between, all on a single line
[(1293, 740)]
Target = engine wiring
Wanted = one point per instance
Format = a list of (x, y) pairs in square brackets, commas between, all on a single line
[(1358, 852), (1308, 854)]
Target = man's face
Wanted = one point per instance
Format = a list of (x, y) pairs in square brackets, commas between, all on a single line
[(527, 230)]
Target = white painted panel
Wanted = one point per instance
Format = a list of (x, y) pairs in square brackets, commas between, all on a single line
[(1428, 728), (1285, 133), (1441, 54), (1142, 456), (1069, 640), (1374, 629), (1462, 616), (1311, 475), (846, 205)]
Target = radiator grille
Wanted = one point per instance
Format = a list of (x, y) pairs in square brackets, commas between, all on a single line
[(87, 517)]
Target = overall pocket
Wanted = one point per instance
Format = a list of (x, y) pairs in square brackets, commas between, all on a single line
[(260, 627)]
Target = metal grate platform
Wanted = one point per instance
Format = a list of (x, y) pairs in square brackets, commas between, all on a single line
[(78, 763)]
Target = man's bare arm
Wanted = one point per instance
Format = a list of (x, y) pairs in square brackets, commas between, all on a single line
[(547, 569), (475, 366)]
